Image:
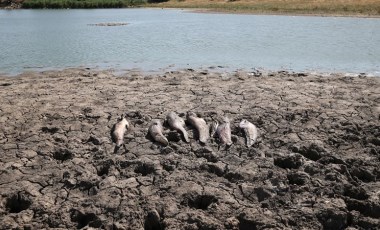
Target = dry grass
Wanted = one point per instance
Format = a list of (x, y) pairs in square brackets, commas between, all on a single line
[(315, 7)]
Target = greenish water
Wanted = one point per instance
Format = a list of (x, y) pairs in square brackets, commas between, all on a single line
[(155, 38)]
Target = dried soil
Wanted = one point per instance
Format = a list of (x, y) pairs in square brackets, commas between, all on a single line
[(315, 166)]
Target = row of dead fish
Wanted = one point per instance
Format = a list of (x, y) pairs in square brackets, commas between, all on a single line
[(222, 131)]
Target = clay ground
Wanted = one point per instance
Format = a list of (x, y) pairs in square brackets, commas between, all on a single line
[(316, 165)]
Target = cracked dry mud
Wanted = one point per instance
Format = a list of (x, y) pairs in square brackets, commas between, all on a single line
[(316, 165)]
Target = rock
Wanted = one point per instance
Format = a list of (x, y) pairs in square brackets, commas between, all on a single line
[(366, 208), (27, 154), (231, 223), (254, 219), (363, 174), (263, 193), (204, 222), (361, 221), (298, 177), (354, 192), (217, 168), (63, 155), (173, 136), (85, 219), (206, 153), (94, 140), (313, 151), (18, 202), (153, 221), (332, 218), (292, 161)]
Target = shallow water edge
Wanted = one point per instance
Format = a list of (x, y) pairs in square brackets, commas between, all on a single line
[(222, 70)]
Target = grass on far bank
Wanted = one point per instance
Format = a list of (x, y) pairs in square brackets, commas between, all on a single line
[(315, 7), (61, 4)]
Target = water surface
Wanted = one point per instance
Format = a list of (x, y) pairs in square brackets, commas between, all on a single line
[(155, 38)]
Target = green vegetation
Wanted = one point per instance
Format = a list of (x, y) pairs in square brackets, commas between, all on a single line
[(61, 4), (314, 7), (157, 1)]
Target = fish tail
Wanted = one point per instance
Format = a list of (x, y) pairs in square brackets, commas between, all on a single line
[(203, 135), (119, 142), (161, 139), (249, 142), (185, 135)]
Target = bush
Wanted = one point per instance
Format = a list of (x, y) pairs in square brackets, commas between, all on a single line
[(157, 1)]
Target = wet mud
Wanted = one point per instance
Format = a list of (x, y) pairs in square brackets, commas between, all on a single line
[(315, 165)]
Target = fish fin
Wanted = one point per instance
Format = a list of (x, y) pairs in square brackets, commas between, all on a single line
[(204, 134)]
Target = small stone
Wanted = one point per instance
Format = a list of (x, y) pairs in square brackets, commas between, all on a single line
[(95, 140), (293, 161), (298, 178), (28, 154), (131, 182), (232, 223), (16, 165)]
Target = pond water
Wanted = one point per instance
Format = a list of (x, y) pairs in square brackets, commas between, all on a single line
[(156, 38)]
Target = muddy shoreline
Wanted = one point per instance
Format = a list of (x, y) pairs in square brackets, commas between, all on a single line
[(316, 165), (297, 14)]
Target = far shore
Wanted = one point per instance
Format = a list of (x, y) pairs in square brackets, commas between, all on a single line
[(328, 8), (220, 11), (368, 8)]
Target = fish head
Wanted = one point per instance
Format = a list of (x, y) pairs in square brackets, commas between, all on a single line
[(156, 122), (171, 114), (190, 114), (243, 123), (121, 117), (226, 120)]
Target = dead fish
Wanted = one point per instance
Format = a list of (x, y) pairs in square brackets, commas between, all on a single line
[(200, 125), (250, 132), (177, 123), (224, 132), (119, 130), (155, 131)]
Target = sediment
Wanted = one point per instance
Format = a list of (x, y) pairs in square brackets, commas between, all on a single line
[(316, 164)]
